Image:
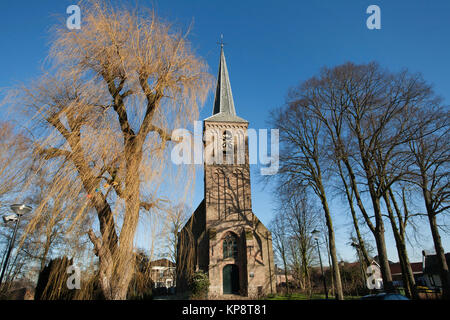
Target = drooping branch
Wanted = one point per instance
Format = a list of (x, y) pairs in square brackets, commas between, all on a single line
[(50, 153)]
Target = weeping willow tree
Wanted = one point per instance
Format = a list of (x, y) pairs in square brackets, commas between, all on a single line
[(102, 113), (14, 159)]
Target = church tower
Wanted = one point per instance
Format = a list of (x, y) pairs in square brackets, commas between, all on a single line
[(224, 238)]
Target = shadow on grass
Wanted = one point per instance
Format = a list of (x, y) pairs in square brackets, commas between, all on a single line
[(301, 296)]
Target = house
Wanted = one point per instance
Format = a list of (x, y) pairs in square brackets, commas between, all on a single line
[(281, 277), (162, 273), (431, 269), (396, 272)]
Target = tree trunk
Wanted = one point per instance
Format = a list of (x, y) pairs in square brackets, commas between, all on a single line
[(362, 246), (304, 266), (125, 259), (332, 244), (285, 273), (331, 269), (440, 254), (407, 284), (115, 262), (380, 241), (399, 235), (409, 275), (378, 229), (44, 254)]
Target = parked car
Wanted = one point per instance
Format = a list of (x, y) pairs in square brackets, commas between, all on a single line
[(384, 296)]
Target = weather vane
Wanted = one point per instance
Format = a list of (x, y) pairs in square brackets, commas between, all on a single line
[(221, 41)]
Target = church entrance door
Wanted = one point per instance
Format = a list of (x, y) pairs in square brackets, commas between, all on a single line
[(230, 279)]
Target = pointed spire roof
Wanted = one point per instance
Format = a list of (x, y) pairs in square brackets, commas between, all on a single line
[(223, 109)]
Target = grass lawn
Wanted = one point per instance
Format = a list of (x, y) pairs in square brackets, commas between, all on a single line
[(302, 296)]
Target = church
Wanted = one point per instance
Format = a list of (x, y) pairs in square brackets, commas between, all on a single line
[(223, 237)]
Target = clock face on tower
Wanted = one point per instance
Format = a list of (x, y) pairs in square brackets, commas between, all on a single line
[(227, 141)]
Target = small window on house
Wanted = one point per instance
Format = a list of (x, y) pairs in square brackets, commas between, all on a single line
[(230, 246)]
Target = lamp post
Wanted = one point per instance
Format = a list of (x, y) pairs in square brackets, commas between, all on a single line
[(19, 210), (7, 219), (315, 234)]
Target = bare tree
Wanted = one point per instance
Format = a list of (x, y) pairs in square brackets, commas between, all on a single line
[(430, 173), (15, 164), (331, 97), (176, 218), (53, 231), (280, 237), (303, 217), (399, 220), (52, 236), (349, 194), (15, 160), (365, 110), (379, 103), (302, 161), (106, 108)]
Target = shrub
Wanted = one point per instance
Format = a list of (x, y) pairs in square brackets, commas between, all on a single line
[(199, 285)]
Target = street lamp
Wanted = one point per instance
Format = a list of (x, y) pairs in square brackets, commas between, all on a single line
[(315, 234), (19, 210), (9, 218)]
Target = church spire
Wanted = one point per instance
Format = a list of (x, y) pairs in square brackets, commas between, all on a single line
[(223, 109), (223, 101)]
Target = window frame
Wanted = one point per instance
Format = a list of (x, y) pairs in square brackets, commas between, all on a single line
[(230, 246)]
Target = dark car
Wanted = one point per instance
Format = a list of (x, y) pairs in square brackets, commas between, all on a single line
[(384, 296)]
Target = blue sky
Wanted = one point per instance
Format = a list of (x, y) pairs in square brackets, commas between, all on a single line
[(270, 46)]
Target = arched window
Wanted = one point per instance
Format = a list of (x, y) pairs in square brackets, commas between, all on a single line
[(230, 246)]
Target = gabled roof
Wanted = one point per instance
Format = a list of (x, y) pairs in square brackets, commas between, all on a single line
[(396, 268), (377, 260), (223, 110), (162, 263)]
